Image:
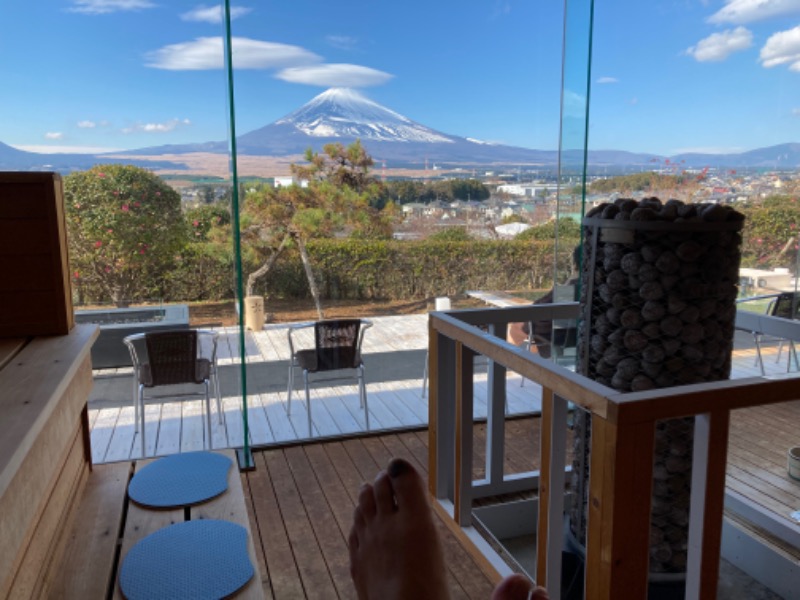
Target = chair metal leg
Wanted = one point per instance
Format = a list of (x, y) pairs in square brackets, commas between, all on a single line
[(215, 374), (527, 349), (135, 402), (425, 375), (308, 401), (140, 405), (208, 414), (289, 389), (759, 358), (362, 389)]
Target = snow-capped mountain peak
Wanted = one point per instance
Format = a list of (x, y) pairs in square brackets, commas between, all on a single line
[(346, 113)]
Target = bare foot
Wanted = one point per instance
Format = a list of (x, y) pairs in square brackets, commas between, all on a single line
[(395, 551)]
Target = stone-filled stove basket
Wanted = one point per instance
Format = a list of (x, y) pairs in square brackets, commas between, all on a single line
[(659, 285)]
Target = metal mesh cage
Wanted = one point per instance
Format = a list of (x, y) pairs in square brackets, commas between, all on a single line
[(658, 310)]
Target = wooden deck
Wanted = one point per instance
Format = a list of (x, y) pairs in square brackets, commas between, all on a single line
[(176, 425), (759, 440), (302, 500)]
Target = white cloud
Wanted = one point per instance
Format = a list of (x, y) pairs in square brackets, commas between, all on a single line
[(342, 42), (748, 11), (103, 7), (87, 124), (157, 127), (207, 53), (54, 135), (782, 48), (719, 46), (213, 14), (604, 80), (796, 112), (335, 75)]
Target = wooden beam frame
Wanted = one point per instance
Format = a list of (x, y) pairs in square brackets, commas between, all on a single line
[(622, 450)]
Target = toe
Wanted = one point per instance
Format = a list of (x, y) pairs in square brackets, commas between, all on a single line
[(384, 496), (409, 488), (352, 544), (518, 587), (366, 502)]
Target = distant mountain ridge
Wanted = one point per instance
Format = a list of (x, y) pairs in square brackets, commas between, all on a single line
[(344, 115), (12, 159)]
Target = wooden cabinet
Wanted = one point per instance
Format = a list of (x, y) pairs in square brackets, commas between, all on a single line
[(35, 293)]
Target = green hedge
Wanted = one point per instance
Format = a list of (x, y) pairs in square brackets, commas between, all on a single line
[(360, 269), (395, 270)]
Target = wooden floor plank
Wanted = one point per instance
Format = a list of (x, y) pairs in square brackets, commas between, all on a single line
[(233, 421), (333, 487), (121, 444), (328, 535), (169, 431), (193, 425), (258, 545), (281, 567), (281, 425), (102, 432), (313, 570), (260, 431)]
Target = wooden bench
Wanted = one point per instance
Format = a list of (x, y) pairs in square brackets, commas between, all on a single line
[(65, 525), (106, 525)]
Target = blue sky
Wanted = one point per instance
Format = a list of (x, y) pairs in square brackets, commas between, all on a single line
[(668, 75)]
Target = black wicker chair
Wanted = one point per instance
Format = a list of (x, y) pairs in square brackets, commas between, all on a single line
[(337, 346), (173, 357)]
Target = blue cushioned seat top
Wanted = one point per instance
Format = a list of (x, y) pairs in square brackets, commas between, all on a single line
[(181, 480), (194, 560)]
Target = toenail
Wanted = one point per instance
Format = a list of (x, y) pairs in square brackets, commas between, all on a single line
[(398, 467)]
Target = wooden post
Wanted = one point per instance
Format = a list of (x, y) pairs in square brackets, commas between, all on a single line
[(441, 415), (620, 491), (463, 439), (433, 408), (549, 544), (495, 418)]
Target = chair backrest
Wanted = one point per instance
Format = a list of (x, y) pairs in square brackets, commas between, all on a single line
[(787, 305), (337, 343), (172, 357)]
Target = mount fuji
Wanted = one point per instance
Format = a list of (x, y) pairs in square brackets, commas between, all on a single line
[(344, 115)]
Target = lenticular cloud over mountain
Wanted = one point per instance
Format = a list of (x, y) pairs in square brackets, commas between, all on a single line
[(345, 113)]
